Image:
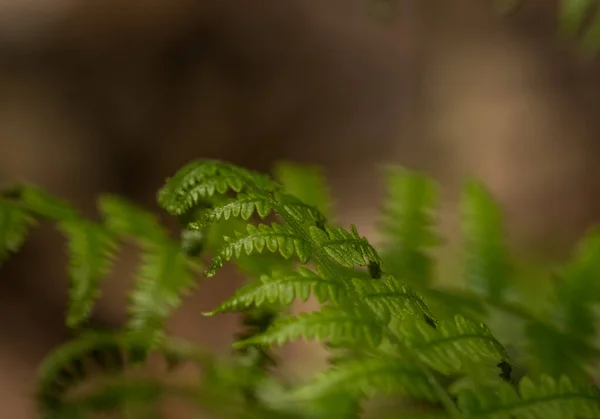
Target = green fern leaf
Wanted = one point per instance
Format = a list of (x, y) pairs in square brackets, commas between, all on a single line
[(369, 376), (565, 346), (407, 226), (202, 179), (91, 249), (128, 220), (591, 37), (276, 237), (347, 248), (164, 277), (306, 183), (76, 361), (300, 211), (45, 205), (552, 352), (14, 227), (65, 366), (578, 291), (243, 207), (120, 395), (548, 399), (572, 15), (283, 288), (165, 273), (454, 346), (329, 324), (487, 264), (391, 298)]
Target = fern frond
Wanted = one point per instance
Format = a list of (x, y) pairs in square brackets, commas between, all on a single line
[(487, 264), (164, 275), (454, 346), (202, 179), (244, 207), (90, 246), (329, 324), (128, 220), (573, 14), (65, 367), (391, 298), (283, 288), (383, 374), (306, 183), (578, 290), (552, 352), (566, 344), (73, 363), (407, 226), (163, 279), (116, 395), (45, 205), (547, 399), (347, 248), (15, 224), (91, 249), (297, 209), (276, 237)]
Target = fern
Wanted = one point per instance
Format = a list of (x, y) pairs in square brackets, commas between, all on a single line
[(368, 376), (546, 399), (408, 226), (91, 248), (14, 226), (283, 288), (382, 336), (487, 265)]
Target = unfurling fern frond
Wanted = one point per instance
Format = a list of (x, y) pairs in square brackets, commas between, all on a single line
[(69, 365), (407, 226), (205, 178), (107, 356), (548, 399)]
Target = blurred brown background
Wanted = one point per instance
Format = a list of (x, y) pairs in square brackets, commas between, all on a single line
[(114, 96)]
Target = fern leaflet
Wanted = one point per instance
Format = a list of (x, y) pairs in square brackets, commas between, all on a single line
[(14, 227), (548, 399)]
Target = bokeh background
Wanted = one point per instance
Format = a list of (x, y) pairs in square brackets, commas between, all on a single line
[(114, 96)]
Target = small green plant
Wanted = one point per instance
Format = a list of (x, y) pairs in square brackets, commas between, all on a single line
[(390, 329)]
